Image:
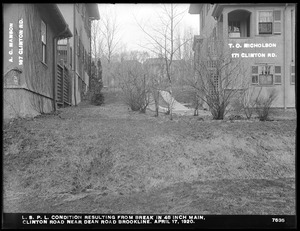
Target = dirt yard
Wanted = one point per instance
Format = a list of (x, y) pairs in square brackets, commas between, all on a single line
[(107, 159)]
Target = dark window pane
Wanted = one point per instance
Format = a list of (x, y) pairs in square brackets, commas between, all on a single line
[(277, 69), (277, 78), (254, 79), (254, 69), (265, 28)]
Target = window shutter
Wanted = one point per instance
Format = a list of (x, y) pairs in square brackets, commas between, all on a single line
[(277, 22), (292, 74), (277, 75), (254, 69), (254, 75), (71, 56)]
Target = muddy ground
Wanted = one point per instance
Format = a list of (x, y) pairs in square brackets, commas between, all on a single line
[(107, 159)]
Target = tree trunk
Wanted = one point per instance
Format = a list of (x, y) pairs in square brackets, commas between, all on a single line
[(156, 101), (196, 112), (171, 104)]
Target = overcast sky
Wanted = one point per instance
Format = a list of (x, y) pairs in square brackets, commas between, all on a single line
[(147, 14)]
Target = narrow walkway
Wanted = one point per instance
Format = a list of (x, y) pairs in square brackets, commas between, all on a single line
[(178, 108)]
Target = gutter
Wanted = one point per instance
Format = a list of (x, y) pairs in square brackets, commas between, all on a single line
[(90, 58), (74, 53), (284, 61)]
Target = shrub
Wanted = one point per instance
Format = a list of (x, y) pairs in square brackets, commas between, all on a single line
[(95, 95), (97, 99), (136, 99), (263, 105), (136, 93), (248, 101)]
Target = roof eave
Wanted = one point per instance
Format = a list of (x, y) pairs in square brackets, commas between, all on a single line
[(195, 8), (57, 20), (217, 10), (93, 11)]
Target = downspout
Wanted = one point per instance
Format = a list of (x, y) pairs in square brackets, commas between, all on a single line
[(284, 61), (90, 58), (75, 46), (55, 38)]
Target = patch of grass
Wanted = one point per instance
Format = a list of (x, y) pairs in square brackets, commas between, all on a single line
[(110, 153), (112, 96)]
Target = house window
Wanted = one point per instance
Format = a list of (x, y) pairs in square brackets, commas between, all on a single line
[(265, 21), (212, 63), (44, 41), (234, 29), (277, 22), (214, 81), (239, 24), (266, 75), (269, 22), (292, 74), (277, 75)]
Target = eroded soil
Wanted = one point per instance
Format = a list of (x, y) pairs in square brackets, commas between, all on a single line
[(107, 159)]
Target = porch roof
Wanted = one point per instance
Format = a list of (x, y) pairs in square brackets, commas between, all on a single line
[(218, 8)]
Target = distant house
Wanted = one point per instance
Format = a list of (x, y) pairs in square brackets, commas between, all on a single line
[(30, 35), (259, 35), (157, 67), (76, 52)]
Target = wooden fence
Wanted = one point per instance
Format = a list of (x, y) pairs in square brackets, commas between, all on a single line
[(63, 86)]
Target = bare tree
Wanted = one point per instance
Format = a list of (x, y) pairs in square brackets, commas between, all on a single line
[(218, 77), (178, 54), (105, 41), (140, 56), (165, 44), (96, 39), (134, 85), (109, 30)]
